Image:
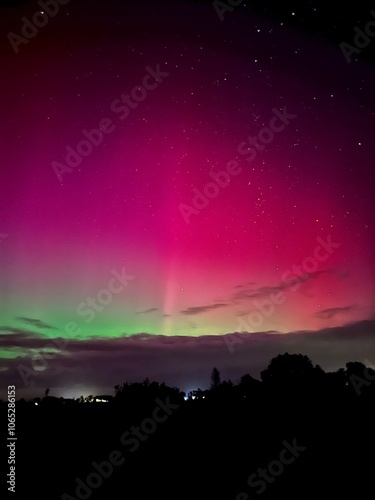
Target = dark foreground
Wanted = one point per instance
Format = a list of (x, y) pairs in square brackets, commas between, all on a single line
[(311, 440)]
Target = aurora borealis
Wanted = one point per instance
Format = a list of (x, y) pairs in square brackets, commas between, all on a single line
[(118, 211)]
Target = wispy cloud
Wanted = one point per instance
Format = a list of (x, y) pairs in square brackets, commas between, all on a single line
[(178, 360), (35, 322), (23, 339), (146, 311), (252, 292), (334, 311), (201, 309)]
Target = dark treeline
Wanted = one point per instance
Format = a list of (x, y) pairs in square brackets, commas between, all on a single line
[(298, 432)]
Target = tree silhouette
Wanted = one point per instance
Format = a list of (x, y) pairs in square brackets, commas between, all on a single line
[(215, 378), (355, 368), (287, 367), (248, 385), (328, 413)]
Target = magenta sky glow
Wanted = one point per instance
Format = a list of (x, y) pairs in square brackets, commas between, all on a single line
[(120, 208)]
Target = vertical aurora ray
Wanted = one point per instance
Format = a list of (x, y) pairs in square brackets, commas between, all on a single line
[(120, 206)]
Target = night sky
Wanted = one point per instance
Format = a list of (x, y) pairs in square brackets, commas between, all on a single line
[(120, 252)]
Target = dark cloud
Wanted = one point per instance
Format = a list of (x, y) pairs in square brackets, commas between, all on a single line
[(4, 329), (147, 311), (201, 309), (22, 339), (261, 292), (266, 291), (101, 363), (35, 322), (334, 311)]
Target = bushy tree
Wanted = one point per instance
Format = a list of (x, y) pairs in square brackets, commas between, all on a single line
[(215, 378)]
